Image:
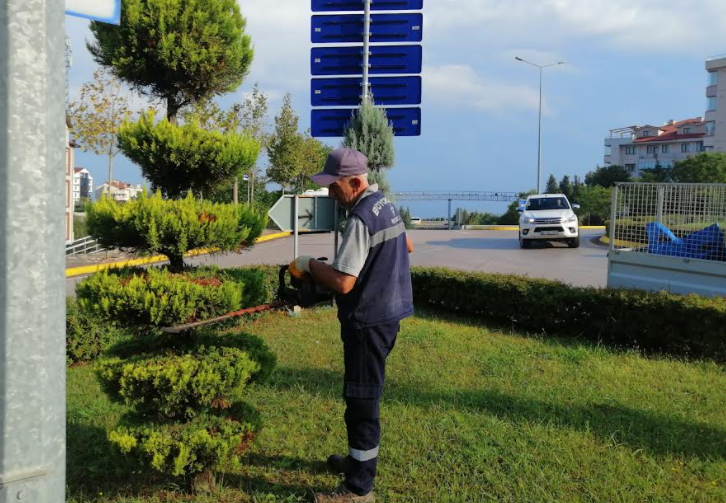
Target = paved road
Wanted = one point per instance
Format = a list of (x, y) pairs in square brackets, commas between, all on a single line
[(488, 251)]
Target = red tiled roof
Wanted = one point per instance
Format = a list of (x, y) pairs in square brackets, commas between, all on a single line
[(670, 132)]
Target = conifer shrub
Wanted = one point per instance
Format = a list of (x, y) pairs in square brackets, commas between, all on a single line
[(179, 386), (154, 225), (158, 297), (87, 335)]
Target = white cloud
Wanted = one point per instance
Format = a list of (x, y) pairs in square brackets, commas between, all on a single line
[(642, 26), (461, 87)]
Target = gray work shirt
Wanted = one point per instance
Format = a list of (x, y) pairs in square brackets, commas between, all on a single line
[(356, 242)]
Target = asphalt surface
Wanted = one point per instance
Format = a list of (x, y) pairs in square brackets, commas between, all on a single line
[(487, 251)]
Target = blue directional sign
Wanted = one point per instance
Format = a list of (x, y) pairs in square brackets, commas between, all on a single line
[(330, 123), (348, 91), (359, 5), (348, 28), (107, 11), (382, 59)]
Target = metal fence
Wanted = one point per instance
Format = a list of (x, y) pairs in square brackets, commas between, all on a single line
[(83, 246), (677, 220)]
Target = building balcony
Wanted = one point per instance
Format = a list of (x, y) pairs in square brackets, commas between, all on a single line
[(711, 91)]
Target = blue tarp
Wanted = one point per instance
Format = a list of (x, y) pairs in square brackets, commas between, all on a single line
[(706, 244)]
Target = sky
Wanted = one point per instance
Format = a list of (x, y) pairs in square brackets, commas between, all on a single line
[(627, 63)]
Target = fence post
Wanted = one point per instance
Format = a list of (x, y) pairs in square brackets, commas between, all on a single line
[(613, 215), (33, 146), (661, 203)]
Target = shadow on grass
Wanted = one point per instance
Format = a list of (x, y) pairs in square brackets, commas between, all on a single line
[(283, 465), (95, 467), (611, 422)]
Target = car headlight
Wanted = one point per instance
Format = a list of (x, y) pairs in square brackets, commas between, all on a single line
[(573, 218), (527, 220)]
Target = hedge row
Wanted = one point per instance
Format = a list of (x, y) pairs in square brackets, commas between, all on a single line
[(653, 322)]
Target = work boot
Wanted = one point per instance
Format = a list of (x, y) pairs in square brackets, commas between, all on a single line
[(337, 463), (343, 495)]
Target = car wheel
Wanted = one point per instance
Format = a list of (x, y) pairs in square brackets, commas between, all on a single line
[(524, 244), (574, 243)]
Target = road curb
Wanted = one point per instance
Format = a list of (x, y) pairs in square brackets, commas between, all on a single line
[(90, 269), (514, 228)]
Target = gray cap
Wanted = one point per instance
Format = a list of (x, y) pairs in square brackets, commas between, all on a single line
[(341, 163)]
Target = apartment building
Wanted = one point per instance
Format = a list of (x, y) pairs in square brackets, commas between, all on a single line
[(120, 191), (82, 184), (716, 104), (644, 147)]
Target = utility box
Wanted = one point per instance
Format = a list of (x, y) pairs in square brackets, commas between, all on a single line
[(668, 237)]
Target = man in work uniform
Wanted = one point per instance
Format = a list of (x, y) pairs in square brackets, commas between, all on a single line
[(372, 279)]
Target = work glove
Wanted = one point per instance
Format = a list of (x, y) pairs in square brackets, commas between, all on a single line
[(300, 266)]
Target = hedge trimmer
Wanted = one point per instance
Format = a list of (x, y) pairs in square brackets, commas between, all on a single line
[(303, 292)]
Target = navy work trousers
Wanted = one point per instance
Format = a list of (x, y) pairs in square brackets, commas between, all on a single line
[(365, 351)]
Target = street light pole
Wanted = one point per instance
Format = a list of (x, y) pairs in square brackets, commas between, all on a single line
[(539, 132)]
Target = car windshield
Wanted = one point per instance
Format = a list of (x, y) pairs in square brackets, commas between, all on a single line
[(548, 203)]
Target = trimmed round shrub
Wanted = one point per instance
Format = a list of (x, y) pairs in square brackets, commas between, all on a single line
[(158, 297), (87, 335), (179, 386), (256, 348), (151, 224), (209, 442)]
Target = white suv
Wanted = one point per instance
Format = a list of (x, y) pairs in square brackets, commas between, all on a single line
[(549, 217)]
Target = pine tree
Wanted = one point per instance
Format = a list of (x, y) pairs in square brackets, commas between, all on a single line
[(285, 146), (369, 132), (179, 51), (552, 187)]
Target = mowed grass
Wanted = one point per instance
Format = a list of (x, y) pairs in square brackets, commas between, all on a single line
[(470, 414)]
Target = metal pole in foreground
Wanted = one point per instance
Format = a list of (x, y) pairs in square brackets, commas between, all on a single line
[(295, 226), (32, 289), (366, 48)]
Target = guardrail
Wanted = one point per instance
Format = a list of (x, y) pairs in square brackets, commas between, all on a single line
[(83, 246), (456, 196)]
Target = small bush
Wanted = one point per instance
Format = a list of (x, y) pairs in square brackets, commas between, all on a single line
[(151, 224), (87, 335), (256, 348), (680, 325), (179, 386), (261, 283), (209, 442), (157, 297)]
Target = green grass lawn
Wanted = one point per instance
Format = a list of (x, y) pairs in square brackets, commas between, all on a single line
[(470, 414)]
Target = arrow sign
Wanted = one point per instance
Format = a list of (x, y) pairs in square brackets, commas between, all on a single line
[(359, 5), (107, 11), (330, 123), (348, 91), (315, 213), (383, 59), (348, 28)]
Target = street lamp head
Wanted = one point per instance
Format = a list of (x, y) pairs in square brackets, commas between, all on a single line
[(518, 58), (562, 63)]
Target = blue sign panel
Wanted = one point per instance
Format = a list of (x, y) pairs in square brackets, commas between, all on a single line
[(348, 28), (359, 5), (383, 59), (330, 123), (348, 91), (107, 11)]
